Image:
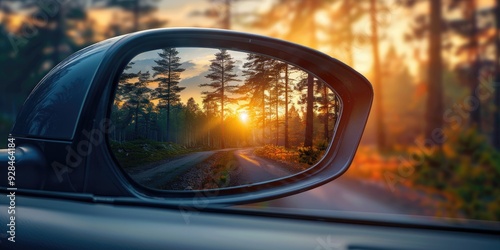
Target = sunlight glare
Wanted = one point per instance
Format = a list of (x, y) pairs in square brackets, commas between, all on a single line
[(244, 117)]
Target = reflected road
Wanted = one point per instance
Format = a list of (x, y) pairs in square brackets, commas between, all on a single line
[(252, 168), (163, 173)]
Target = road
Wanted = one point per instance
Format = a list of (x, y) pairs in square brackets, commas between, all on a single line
[(344, 194), (356, 195), (253, 169), (340, 194), (163, 173)]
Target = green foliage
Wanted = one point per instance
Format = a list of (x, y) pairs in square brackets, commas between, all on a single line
[(468, 168), (278, 153), (308, 155), (302, 157), (221, 75), (168, 74), (322, 145), (220, 171), (142, 152)]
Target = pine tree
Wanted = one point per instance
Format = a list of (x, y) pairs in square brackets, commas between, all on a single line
[(210, 106), (296, 127), (287, 93), (377, 77), (168, 74), (298, 16), (258, 78), (122, 115), (468, 27), (328, 105), (496, 113), (221, 77), (306, 82), (432, 26), (137, 96), (343, 42), (308, 137), (192, 127)]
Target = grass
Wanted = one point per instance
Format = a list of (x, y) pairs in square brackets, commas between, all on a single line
[(220, 170), (142, 152), (465, 170), (300, 158)]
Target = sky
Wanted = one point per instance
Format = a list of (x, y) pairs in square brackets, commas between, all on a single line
[(395, 22), (180, 14), (196, 62)]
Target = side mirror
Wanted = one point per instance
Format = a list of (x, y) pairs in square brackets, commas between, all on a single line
[(207, 118), (232, 116)]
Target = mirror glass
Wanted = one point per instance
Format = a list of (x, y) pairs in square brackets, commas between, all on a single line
[(203, 118)]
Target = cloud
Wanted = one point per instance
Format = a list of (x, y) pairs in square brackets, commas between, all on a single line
[(142, 65), (180, 14), (192, 69)]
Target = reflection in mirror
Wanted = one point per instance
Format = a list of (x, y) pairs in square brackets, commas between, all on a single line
[(199, 118)]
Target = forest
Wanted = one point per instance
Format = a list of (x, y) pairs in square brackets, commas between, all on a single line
[(269, 103), (434, 65)]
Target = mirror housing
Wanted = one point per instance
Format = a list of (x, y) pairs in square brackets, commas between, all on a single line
[(103, 176), (208, 118)]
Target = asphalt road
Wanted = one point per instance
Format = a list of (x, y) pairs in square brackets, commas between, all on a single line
[(161, 174), (253, 169), (358, 195), (340, 194), (344, 194)]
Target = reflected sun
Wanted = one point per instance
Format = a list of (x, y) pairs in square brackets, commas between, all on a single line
[(243, 117)]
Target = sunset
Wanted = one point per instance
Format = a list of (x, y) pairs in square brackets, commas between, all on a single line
[(385, 110), (243, 117), (248, 103)]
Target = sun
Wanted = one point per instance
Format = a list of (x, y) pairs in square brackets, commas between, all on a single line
[(243, 117)]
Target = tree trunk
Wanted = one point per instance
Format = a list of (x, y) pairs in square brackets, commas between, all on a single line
[(475, 118), (496, 113), (350, 36), (263, 116), (308, 140), (136, 118), (168, 103), (276, 107), (270, 112), (434, 104), (287, 144), (227, 15), (136, 15), (379, 113), (326, 114), (222, 111)]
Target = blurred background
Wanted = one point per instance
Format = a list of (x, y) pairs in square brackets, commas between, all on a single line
[(432, 142)]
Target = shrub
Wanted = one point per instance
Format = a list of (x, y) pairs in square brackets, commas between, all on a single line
[(308, 155), (142, 152), (468, 168)]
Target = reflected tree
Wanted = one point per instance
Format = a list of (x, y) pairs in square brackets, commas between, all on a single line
[(136, 97), (221, 76), (167, 73)]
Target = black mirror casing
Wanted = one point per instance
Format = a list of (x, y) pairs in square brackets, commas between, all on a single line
[(104, 178)]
